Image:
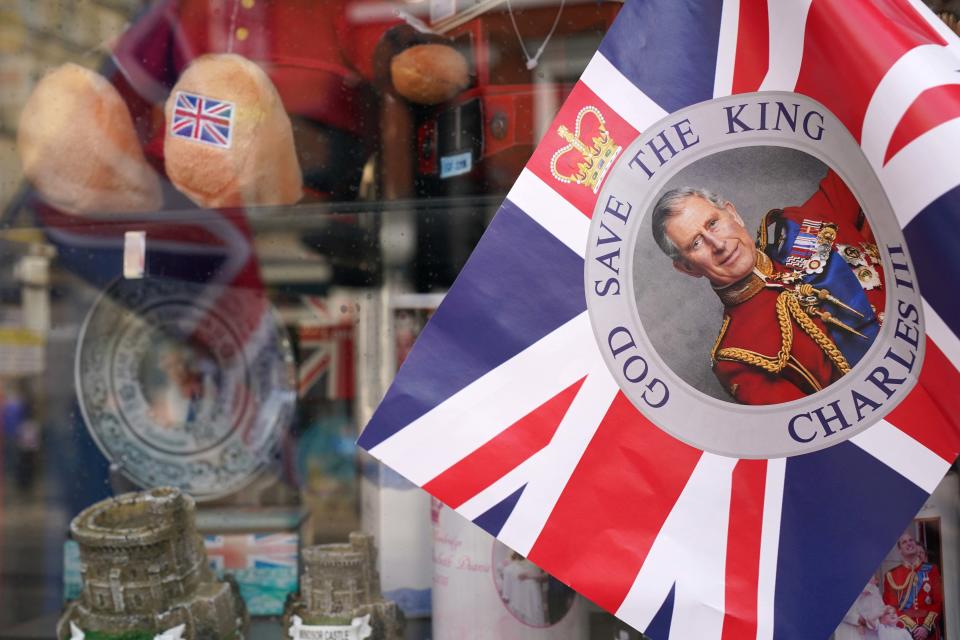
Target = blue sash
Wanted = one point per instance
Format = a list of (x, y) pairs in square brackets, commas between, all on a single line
[(910, 597), (840, 280)]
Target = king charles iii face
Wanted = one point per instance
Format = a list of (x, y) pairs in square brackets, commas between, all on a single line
[(713, 242)]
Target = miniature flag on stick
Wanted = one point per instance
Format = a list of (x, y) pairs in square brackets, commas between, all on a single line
[(728, 461)]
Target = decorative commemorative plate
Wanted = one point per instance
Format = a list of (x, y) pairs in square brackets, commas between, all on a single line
[(185, 384)]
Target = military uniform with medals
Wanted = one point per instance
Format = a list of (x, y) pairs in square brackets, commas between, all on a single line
[(812, 306), (917, 595)]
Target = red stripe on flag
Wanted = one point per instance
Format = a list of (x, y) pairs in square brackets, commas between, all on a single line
[(753, 46), (504, 452), (223, 122), (743, 550), (928, 413), (216, 134), (849, 45), (324, 333), (614, 505), (931, 108), (345, 374)]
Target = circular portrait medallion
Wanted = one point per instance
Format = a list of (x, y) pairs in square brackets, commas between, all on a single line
[(747, 280), (185, 385)]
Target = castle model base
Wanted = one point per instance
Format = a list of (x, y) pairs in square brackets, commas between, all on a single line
[(208, 615), (340, 595), (385, 622), (145, 573)]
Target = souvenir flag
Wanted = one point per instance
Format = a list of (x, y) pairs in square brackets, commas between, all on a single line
[(202, 120), (325, 340), (250, 550), (545, 402)]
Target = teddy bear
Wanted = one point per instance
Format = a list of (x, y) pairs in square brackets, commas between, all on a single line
[(234, 102)]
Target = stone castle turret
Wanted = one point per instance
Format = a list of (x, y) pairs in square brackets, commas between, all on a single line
[(144, 567), (339, 578), (340, 582)]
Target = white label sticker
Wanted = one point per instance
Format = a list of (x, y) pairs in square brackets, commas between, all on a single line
[(358, 629), (134, 254), (456, 165), (172, 634), (175, 633)]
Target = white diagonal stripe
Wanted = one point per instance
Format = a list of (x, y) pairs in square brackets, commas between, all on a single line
[(499, 490), (944, 337), (591, 392), (935, 23), (922, 171), (919, 69), (632, 104), (555, 463), (903, 454), (318, 356), (788, 24), (551, 210), (691, 552), (579, 416), (770, 546), (726, 48), (471, 417)]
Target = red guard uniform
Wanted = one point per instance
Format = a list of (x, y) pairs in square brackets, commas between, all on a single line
[(917, 595), (772, 348)]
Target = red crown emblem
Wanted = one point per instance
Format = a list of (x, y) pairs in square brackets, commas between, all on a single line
[(591, 160)]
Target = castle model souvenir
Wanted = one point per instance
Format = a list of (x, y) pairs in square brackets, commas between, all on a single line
[(145, 572), (340, 588)]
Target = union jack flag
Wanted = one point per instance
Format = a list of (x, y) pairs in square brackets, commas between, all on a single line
[(505, 411), (236, 551), (202, 119), (326, 348)]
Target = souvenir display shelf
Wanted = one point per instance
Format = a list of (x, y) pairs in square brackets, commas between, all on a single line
[(236, 353)]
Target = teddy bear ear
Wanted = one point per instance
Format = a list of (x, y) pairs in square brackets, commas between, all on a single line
[(228, 141), (78, 147)]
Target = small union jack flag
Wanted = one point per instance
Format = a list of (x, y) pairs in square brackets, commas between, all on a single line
[(326, 348), (231, 552), (202, 119)]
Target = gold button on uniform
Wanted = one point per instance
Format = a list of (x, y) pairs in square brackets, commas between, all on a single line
[(247, 4), (242, 33)]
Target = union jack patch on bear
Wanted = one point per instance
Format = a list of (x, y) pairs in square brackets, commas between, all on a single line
[(203, 120)]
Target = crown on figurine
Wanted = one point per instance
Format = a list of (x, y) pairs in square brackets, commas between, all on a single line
[(597, 159)]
